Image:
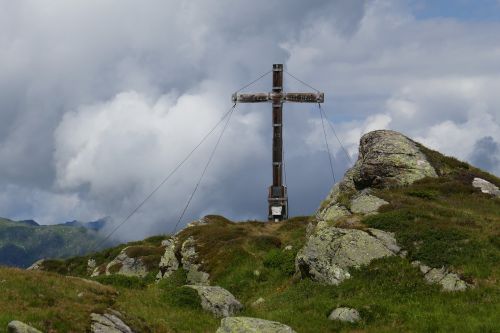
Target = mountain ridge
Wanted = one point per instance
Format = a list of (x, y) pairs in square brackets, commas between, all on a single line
[(24, 242)]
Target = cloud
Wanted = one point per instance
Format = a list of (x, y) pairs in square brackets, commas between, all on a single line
[(486, 154), (100, 100)]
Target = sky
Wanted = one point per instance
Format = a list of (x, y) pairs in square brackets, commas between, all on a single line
[(100, 100)]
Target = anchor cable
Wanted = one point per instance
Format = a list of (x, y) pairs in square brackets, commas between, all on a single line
[(327, 146), (328, 121), (303, 82), (335, 134), (179, 165), (212, 154), (254, 81)]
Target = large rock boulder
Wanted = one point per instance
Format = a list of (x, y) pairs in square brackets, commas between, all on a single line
[(17, 326), (252, 325), (386, 159), (217, 300), (330, 252)]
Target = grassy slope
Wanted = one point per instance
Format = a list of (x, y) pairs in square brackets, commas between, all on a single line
[(22, 244), (441, 222), (49, 301)]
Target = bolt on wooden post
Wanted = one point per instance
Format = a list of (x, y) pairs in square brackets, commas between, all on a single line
[(278, 196)]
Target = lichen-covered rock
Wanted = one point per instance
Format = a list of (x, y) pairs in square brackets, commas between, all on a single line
[(125, 265), (191, 263), (168, 262), (452, 282), (217, 300), (449, 281), (486, 187), (365, 203), (108, 323), (387, 238), (334, 212), (252, 325), (17, 326), (385, 159), (330, 252), (345, 314), (36, 266), (388, 158)]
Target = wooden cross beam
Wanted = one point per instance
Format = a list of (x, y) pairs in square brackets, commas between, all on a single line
[(278, 197)]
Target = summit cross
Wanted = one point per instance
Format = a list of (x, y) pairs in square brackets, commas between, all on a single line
[(278, 197)]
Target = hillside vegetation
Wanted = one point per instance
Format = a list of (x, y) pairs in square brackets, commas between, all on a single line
[(442, 221)]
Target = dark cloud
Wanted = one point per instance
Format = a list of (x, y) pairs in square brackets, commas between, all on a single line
[(486, 154)]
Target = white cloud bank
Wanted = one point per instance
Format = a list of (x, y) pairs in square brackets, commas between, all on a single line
[(99, 101)]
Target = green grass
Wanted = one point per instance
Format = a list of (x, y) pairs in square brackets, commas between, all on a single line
[(50, 302), (458, 227)]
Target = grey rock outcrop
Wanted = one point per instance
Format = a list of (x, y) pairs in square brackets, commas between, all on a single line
[(184, 256), (345, 314), (169, 262), (386, 159), (365, 203), (108, 323), (449, 281), (125, 265), (486, 187), (192, 264), (217, 300), (36, 266), (91, 266), (252, 325), (17, 326), (330, 252)]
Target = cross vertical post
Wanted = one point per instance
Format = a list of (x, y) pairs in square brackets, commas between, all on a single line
[(278, 197)]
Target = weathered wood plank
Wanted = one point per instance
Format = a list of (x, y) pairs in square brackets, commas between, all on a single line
[(284, 97), (304, 97), (252, 98)]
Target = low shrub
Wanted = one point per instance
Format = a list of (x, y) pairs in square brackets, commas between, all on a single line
[(283, 261), (424, 194), (184, 297), (118, 280)]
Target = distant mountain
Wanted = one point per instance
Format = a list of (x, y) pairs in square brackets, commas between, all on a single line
[(29, 222), (24, 242), (93, 225)]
